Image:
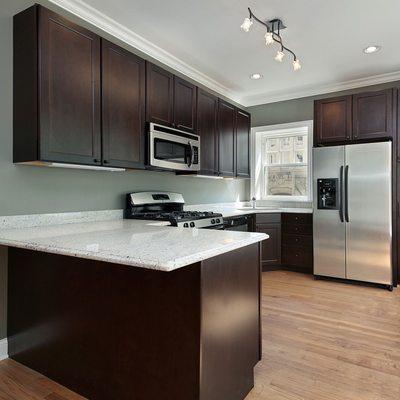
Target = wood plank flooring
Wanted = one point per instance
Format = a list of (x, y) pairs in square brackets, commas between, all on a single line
[(326, 340), (321, 341)]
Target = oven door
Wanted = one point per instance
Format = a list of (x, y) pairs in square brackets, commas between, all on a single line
[(174, 152)]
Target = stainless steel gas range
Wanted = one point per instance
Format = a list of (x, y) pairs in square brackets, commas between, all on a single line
[(165, 206)]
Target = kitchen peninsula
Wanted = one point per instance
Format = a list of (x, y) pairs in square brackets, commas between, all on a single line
[(127, 309)]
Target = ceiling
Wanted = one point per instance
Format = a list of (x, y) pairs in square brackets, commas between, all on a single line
[(203, 40)]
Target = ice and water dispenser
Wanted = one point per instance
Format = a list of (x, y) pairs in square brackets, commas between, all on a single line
[(328, 194)]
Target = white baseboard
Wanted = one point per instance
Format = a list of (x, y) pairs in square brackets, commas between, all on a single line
[(3, 349)]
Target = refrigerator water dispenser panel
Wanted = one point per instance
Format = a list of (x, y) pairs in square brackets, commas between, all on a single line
[(328, 194)]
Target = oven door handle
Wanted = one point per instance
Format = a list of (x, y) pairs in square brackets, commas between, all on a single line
[(190, 163)]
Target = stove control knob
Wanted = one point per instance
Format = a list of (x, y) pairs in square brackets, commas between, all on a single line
[(192, 224), (218, 220), (186, 225), (213, 221)]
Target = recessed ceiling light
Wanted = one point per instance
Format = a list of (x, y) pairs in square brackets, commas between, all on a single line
[(371, 49), (256, 76)]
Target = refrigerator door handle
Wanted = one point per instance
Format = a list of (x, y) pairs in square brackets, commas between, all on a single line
[(341, 195), (346, 193)]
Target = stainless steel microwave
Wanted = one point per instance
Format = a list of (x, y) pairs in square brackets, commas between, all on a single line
[(173, 149)]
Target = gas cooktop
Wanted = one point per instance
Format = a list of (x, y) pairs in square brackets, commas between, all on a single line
[(163, 206)]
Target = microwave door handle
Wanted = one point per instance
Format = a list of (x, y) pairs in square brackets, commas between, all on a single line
[(191, 154)]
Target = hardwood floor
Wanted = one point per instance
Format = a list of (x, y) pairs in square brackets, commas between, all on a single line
[(325, 340), (321, 341)]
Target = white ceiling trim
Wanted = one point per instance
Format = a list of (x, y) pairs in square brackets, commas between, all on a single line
[(121, 32), (109, 25), (266, 98)]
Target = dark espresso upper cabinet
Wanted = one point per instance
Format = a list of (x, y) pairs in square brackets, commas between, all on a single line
[(360, 117), (69, 91), (207, 108), (184, 105), (63, 83), (333, 120), (373, 115), (123, 106), (159, 95), (226, 139), (170, 100), (242, 144)]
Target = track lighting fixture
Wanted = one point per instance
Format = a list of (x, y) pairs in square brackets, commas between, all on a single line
[(273, 35), (247, 23)]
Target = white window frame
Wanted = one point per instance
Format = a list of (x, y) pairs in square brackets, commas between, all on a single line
[(257, 181)]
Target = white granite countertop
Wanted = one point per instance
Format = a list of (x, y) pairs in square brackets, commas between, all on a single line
[(231, 210), (130, 242), (105, 236)]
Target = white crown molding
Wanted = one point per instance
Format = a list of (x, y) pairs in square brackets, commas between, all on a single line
[(266, 98), (112, 27), (3, 349), (121, 32)]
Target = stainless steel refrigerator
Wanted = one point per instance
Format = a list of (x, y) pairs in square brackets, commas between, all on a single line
[(352, 190)]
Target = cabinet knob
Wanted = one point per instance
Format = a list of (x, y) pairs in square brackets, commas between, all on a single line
[(106, 161), (96, 160)]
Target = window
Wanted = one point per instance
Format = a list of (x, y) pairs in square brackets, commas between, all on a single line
[(281, 162)]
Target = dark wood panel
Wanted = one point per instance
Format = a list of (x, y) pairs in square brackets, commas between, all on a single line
[(242, 144), (123, 106), (271, 248), (298, 240), (333, 120), (69, 91), (373, 115), (230, 324), (103, 330), (296, 218), (25, 86), (185, 105), (159, 95), (111, 331), (299, 229), (268, 218), (226, 139), (297, 257), (207, 108)]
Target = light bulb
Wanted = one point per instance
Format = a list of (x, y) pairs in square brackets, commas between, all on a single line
[(279, 56), (269, 38), (247, 23), (296, 64)]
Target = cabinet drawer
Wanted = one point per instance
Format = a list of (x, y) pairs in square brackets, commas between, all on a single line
[(297, 218), (297, 256), (300, 229), (268, 218), (297, 240)]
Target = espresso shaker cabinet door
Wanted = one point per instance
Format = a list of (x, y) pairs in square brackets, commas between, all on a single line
[(69, 70), (373, 115), (226, 139), (123, 107), (159, 95), (242, 144), (271, 248), (333, 120), (184, 105), (207, 107)]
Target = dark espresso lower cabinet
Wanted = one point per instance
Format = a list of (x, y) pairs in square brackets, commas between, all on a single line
[(110, 331), (271, 248), (297, 242), (290, 243)]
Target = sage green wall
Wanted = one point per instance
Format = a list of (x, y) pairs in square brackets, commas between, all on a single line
[(30, 190), (27, 189), (298, 109)]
